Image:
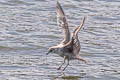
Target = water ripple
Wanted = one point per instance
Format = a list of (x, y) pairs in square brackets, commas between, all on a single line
[(28, 28)]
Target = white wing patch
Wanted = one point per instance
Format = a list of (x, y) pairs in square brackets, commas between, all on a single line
[(60, 21), (76, 42)]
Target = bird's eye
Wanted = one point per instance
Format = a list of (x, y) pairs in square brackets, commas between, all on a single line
[(51, 50)]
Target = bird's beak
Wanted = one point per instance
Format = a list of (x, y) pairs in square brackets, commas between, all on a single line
[(47, 52)]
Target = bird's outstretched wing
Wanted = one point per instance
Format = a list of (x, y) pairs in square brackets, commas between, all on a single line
[(62, 22), (75, 41), (75, 33)]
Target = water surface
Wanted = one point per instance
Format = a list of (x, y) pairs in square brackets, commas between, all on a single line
[(28, 28)]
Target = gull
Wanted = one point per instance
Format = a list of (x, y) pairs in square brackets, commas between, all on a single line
[(69, 47)]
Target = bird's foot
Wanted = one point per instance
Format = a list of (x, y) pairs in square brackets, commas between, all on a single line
[(86, 62), (63, 73), (58, 68)]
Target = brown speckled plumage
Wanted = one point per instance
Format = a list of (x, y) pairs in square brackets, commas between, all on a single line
[(70, 46)]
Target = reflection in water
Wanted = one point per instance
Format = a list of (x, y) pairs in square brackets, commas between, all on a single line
[(27, 26), (70, 77)]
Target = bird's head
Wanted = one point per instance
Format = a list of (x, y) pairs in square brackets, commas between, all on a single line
[(51, 50)]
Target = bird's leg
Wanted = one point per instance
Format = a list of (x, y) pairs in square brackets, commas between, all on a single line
[(62, 63), (66, 65)]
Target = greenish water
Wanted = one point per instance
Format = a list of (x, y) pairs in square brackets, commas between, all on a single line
[(28, 28)]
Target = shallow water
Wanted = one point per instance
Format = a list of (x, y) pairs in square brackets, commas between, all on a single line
[(28, 28)]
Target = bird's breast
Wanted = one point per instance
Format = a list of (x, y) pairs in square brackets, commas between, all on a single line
[(64, 52)]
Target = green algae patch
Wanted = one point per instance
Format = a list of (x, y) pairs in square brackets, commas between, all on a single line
[(5, 48), (68, 78), (71, 77)]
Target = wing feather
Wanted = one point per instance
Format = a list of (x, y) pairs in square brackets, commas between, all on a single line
[(62, 22), (79, 27), (75, 40)]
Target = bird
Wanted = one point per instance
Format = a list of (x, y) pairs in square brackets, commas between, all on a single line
[(69, 47)]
